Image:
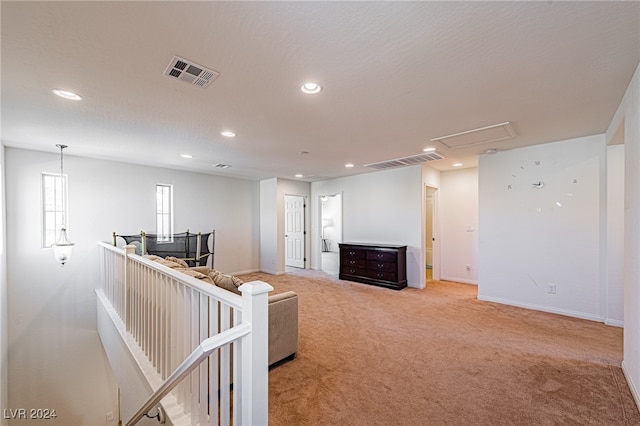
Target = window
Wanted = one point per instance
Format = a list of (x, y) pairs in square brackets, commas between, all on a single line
[(54, 187), (164, 212)]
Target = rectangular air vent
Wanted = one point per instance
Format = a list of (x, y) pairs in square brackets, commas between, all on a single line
[(190, 72), (406, 161), (481, 135)]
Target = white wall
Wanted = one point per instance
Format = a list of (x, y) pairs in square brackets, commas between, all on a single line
[(4, 318), (628, 115), (56, 358), (269, 226), (459, 225), (385, 207), (529, 238), (614, 312)]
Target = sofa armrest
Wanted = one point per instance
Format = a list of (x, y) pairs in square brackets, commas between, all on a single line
[(283, 326)]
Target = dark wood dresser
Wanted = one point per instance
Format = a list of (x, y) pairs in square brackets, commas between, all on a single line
[(378, 264)]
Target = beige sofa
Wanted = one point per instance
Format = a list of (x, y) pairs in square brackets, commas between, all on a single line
[(283, 307)]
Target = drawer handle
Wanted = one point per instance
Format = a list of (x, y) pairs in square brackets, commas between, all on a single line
[(379, 275), (380, 265), (352, 271), (353, 262), (352, 253), (380, 255)]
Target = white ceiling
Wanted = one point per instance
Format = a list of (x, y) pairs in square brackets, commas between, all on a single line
[(394, 76)]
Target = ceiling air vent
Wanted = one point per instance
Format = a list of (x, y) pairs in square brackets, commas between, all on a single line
[(406, 161), (190, 72)]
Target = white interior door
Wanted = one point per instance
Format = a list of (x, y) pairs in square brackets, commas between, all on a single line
[(294, 230)]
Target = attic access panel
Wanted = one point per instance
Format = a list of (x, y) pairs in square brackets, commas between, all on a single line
[(481, 135)]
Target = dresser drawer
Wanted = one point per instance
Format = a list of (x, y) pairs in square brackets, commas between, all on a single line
[(373, 265), (354, 263), (382, 256), (382, 275), (347, 270), (352, 254)]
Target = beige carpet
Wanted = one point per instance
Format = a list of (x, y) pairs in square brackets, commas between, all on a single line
[(372, 356)]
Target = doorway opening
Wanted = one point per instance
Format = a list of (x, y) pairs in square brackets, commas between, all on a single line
[(432, 270), (294, 233), (330, 233)]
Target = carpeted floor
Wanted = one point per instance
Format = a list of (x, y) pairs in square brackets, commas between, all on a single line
[(372, 356)]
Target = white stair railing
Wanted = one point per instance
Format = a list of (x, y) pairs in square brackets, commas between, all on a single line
[(169, 314)]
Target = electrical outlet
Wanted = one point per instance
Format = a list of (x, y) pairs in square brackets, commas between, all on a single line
[(109, 416), (551, 288), (468, 267)]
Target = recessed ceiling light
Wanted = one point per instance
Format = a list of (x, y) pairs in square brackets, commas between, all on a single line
[(67, 94), (311, 88), (228, 134), (457, 164), (349, 165), (221, 166), (186, 155), (298, 175), (430, 149)]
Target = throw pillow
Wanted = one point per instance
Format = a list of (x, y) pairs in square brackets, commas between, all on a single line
[(176, 260), (227, 282)]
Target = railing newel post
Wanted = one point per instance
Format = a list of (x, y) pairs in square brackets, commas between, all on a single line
[(255, 354)]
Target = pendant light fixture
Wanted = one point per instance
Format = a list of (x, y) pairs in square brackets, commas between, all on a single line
[(63, 247)]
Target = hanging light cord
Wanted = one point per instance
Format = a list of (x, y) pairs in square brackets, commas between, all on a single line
[(64, 190)]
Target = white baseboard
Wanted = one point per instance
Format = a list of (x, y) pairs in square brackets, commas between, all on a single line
[(632, 386), (248, 271), (614, 323), (458, 280), (542, 308)]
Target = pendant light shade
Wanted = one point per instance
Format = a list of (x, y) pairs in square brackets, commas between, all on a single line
[(63, 247)]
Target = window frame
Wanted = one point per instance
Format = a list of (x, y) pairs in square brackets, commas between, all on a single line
[(164, 218), (53, 218)]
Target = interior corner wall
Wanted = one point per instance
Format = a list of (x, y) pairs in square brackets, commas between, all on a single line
[(4, 318), (384, 207), (615, 237), (269, 225), (459, 225), (542, 214), (55, 354), (629, 113)]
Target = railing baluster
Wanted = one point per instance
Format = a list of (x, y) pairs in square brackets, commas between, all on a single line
[(214, 362), (225, 361), (204, 368)]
